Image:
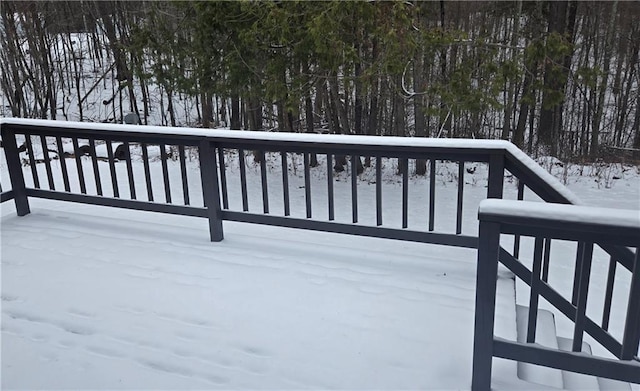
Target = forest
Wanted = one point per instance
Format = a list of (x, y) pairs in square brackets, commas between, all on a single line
[(556, 78)]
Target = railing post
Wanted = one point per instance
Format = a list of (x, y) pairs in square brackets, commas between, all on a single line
[(487, 271), (211, 189), (631, 337), (15, 171), (496, 176)]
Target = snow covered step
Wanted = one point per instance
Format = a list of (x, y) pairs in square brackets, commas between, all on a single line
[(613, 385), (578, 381), (573, 380), (545, 336)]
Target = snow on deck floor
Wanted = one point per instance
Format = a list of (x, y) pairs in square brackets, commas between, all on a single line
[(97, 297)]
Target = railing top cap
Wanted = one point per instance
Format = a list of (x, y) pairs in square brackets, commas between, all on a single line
[(271, 136), (560, 213)]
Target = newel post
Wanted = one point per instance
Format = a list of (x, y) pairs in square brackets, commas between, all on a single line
[(15, 171), (211, 189), (486, 276), (496, 175)]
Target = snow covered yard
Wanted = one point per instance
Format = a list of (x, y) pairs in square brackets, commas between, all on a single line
[(100, 298)]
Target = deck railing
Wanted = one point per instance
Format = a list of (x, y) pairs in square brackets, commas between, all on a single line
[(55, 152), (588, 228)]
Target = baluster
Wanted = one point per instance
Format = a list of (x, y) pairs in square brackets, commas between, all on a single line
[(165, 173), (78, 156), (581, 303), (535, 290), (354, 190), (94, 163), (223, 178), (147, 171), (263, 179), (405, 193), (432, 193), (132, 184), (285, 183), (112, 169), (378, 190), (307, 184), (47, 162), (63, 164), (243, 180), (460, 193), (331, 204), (608, 296), (183, 175)]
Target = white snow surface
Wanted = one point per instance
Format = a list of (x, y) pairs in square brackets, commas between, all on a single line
[(100, 298), (562, 213)]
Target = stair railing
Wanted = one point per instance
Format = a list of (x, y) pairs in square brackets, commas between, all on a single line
[(588, 227)]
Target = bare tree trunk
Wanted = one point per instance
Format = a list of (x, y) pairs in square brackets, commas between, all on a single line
[(597, 118)]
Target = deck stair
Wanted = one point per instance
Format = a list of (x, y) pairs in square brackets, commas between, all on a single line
[(551, 377)]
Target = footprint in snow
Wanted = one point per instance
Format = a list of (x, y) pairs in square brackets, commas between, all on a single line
[(81, 313), (255, 351)]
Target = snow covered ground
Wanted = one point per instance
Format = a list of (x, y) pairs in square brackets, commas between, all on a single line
[(97, 297)]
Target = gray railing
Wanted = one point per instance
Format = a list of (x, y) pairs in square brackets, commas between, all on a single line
[(213, 148), (111, 178), (588, 227)]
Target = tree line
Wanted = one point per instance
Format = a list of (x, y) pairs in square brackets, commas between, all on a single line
[(557, 78)]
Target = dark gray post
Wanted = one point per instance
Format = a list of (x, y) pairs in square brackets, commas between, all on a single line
[(631, 337), (488, 250), (211, 189), (15, 172), (496, 176)]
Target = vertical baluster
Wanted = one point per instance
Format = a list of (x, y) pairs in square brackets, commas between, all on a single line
[(32, 162), (183, 175), (285, 183), (147, 171), (460, 193), (132, 184), (263, 179), (378, 190), (63, 164), (405, 193), (631, 335), (243, 180), (545, 262), (307, 184), (583, 290), (432, 193), (47, 162), (112, 169), (576, 273), (96, 170), (331, 205), (223, 178), (608, 296), (535, 290), (516, 239), (165, 173), (78, 155), (354, 189)]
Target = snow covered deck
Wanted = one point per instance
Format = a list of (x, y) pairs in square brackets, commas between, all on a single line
[(97, 297)]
